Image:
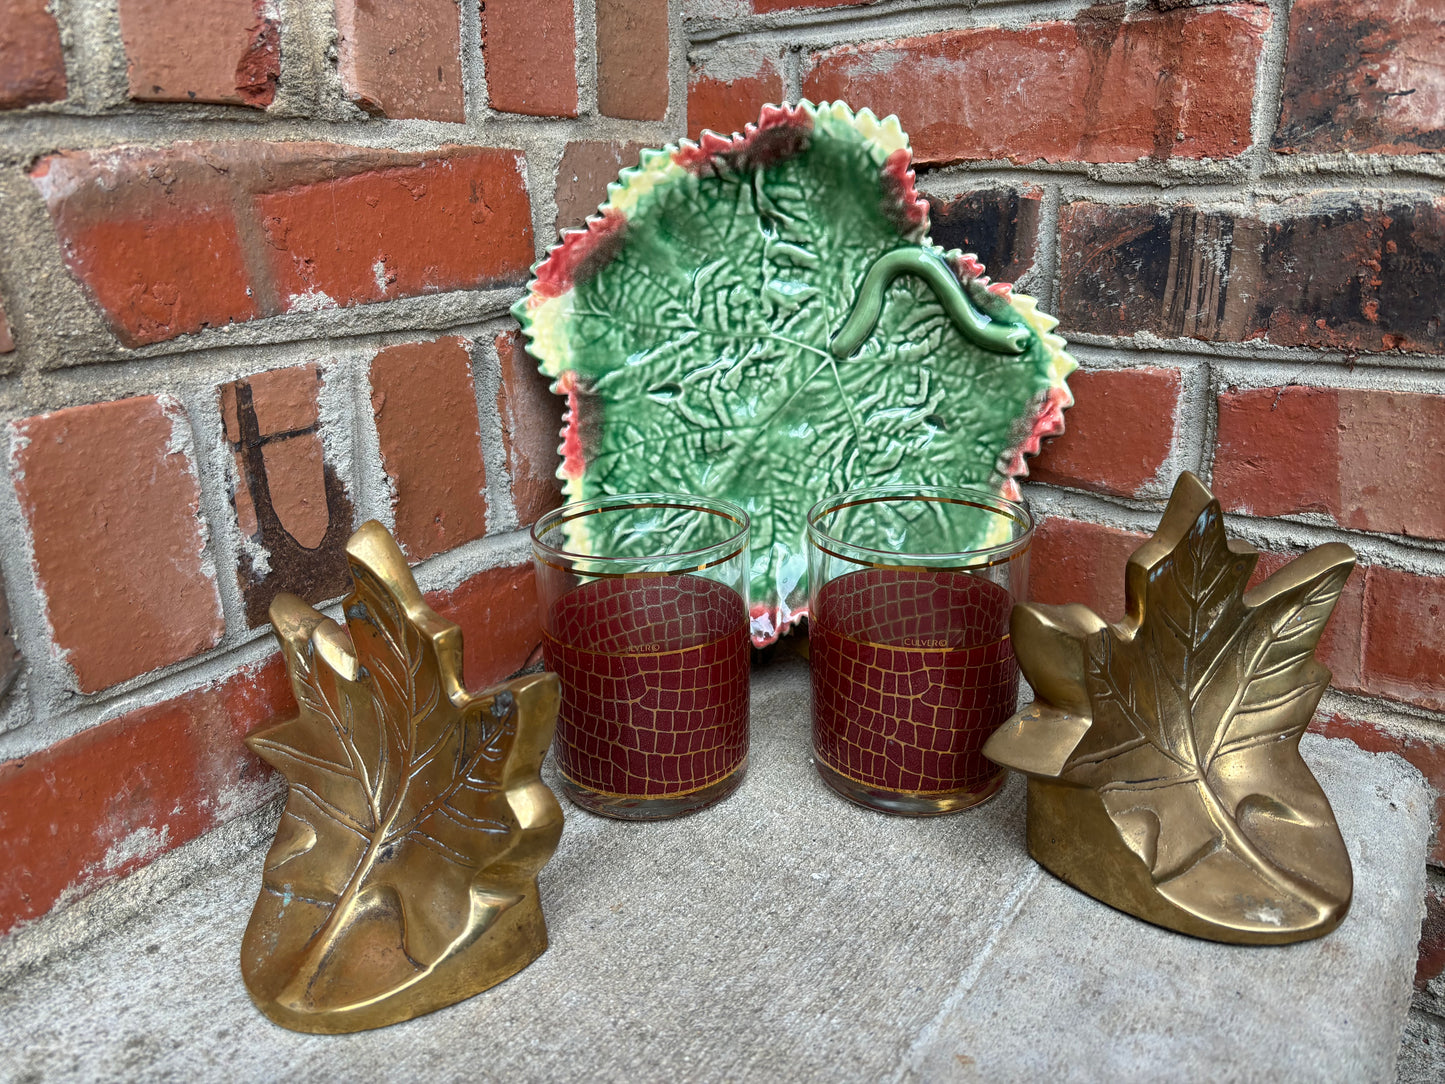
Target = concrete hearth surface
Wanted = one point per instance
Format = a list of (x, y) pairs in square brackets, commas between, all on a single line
[(787, 936)]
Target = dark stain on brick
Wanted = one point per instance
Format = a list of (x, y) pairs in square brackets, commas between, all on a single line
[(1309, 275), (1355, 277), (998, 225), (1333, 98), (316, 574), (1411, 293), (1116, 267)]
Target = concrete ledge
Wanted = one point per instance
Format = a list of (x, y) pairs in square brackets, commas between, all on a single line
[(786, 935)]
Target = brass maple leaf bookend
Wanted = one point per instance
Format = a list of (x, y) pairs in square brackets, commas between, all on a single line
[(403, 876), (1163, 752)]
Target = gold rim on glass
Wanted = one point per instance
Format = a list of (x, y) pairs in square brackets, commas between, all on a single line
[(666, 563), (963, 560)]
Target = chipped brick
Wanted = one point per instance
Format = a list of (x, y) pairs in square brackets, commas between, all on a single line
[(402, 58), (530, 55), (224, 51)]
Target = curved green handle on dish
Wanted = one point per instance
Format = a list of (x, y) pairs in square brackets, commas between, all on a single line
[(928, 265)]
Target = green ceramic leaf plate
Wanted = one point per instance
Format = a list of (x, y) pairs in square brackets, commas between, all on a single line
[(762, 318)]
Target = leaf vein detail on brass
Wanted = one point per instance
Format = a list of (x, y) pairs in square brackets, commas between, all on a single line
[(403, 873), (1163, 752)]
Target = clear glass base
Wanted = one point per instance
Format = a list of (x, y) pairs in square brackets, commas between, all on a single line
[(904, 804), (622, 808)]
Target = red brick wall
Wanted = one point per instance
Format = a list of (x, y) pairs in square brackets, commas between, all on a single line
[(254, 273)]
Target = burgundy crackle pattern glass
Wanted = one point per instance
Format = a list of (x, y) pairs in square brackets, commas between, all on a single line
[(912, 667), (645, 621)]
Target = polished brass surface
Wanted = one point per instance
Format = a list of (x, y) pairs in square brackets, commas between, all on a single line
[(403, 876), (1163, 752)]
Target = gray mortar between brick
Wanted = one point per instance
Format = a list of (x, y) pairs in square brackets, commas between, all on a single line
[(678, 45), (44, 661), (822, 27), (309, 83), (95, 64), (740, 60), (1268, 86), (474, 76), (487, 382), (15, 709), (199, 426), (584, 19)]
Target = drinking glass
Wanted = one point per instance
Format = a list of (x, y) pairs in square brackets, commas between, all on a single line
[(645, 620), (912, 668)]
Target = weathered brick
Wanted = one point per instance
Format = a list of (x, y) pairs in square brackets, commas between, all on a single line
[(728, 91), (587, 168), (530, 55), (32, 65), (1368, 276), (632, 51), (1119, 433), (92, 808), (163, 273), (497, 613), (7, 341), (1368, 459), (225, 51), (1277, 451), (402, 58), (112, 502), (169, 240), (1426, 754), (426, 417), (998, 225), (290, 503), (531, 430), (1364, 78), (1090, 90), (1403, 652), (1073, 561), (457, 221)]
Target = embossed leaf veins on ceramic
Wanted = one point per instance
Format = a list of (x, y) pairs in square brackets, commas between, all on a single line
[(763, 318), (403, 876), (1163, 752)]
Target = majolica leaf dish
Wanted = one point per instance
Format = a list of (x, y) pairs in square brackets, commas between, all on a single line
[(763, 318)]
